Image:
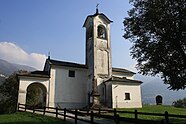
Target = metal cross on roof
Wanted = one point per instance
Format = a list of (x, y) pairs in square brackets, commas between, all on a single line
[(97, 5), (97, 8), (49, 55)]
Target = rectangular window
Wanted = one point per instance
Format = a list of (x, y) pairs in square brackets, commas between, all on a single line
[(71, 73), (127, 96)]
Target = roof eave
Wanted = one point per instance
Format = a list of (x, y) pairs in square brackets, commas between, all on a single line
[(99, 14), (124, 80), (114, 69), (67, 64), (31, 75)]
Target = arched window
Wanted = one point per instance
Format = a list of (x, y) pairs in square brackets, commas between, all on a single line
[(102, 33)]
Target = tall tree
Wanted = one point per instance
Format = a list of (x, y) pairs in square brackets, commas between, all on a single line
[(9, 91), (157, 29)]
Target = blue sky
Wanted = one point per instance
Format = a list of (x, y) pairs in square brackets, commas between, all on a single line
[(40, 26)]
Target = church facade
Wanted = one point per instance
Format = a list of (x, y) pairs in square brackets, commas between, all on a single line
[(93, 84)]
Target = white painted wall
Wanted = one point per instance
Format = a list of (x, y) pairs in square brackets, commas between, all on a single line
[(118, 95), (69, 92), (102, 49), (52, 87)]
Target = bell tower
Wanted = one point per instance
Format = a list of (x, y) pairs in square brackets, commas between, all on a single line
[(98, 53)]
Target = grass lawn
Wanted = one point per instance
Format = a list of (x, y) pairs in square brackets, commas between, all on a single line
[(29, 118), (157, 109)]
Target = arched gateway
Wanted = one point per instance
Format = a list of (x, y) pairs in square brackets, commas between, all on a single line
[(29, 84), (36, 95)]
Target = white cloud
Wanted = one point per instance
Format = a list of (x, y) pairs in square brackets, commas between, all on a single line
[(14, 54)]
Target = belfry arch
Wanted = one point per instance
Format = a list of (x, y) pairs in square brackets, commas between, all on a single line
[(102, 32)]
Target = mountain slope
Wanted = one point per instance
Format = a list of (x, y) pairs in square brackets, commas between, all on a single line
[(1, 80), (154, 86), (7, 68)]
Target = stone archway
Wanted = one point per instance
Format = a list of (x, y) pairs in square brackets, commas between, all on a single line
[(36, 95)]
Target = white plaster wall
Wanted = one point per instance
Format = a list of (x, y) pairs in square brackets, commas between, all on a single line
[(102, 43), (118, 96), (102, 60), (70, 92), (24, 82), (52, 87)]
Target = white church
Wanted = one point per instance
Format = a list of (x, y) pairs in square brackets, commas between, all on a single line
[(93, 84)]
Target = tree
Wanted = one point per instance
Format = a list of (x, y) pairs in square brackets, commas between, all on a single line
[(157, 29), (9, 91), (34, 96), (180, 103)]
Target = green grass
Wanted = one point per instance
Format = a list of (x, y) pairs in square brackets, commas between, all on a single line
[(29, 118), (157, 109)]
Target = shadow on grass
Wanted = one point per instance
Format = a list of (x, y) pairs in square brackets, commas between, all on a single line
[(29, 118)]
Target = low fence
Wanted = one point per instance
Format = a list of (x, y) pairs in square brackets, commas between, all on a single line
[(165, 117), (112, 115), (60, 112)]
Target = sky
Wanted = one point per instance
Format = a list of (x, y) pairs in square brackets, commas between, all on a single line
[(30, 29)]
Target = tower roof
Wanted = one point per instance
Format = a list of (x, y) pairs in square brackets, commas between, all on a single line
[(67, 64), (122, 70), (119, 80), (97, 14)]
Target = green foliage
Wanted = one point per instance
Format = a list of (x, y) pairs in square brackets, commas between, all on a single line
[(157, 30), (29, 118), (9, 91), (180, 103), (33, 96)]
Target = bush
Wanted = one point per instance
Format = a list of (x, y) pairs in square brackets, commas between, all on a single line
[(9, 94), (180, 103), (184, 102), (7, 106)]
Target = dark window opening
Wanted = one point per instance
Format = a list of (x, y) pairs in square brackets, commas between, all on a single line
[(127, 96), (102, 32), (71, 73)]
